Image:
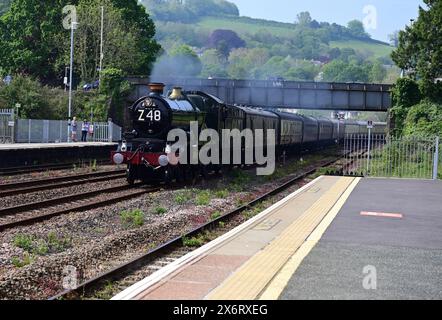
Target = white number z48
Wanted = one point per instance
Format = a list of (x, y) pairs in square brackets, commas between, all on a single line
[(149, 115)]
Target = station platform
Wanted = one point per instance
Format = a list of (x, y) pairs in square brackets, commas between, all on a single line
[(335, 238), (22, 154)]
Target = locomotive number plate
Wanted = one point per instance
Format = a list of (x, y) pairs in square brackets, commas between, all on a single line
[(149, 115)]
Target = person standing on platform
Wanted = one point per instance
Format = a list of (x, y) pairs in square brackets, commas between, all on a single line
[(84, 131), (74, 129), (91, 132)]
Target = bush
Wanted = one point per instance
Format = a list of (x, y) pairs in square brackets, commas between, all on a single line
[(203, 198), (134, 218), (424, 119)]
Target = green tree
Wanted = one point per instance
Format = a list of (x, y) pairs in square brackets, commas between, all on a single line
[(214, 64), (121, 45), (357, 29), (424, 119), (378, 72), (4, 6), (405, 95), (420, 47), (30, 94), (34, 42), (304, 18), (30, 34), (340, 71)]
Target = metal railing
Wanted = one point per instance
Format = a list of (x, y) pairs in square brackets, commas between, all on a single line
[(53, 131), (385, 156), (7, 125)]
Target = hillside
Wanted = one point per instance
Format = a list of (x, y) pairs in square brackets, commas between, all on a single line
[(232, 46), (212, 39), (244, 26)]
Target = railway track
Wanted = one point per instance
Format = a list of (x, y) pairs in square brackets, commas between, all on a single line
[(174, 249), (46, 167), (31, 213), (59, 182)]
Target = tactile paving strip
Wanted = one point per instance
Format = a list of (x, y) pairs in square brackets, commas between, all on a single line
[(252, 278)]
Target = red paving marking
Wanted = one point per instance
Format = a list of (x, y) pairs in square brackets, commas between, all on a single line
[(382, 214), (195, 281)]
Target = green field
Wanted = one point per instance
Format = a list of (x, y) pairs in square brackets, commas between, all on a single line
[(241, 27), (378, 49)]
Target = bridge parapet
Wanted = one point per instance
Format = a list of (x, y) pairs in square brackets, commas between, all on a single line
[(282, 94)]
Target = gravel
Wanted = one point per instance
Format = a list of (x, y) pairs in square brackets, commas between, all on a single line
[(54, 173), (43, 195), (100, 240)]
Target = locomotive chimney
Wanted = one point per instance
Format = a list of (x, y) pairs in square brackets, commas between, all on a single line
[(177, 93), (156, 88)]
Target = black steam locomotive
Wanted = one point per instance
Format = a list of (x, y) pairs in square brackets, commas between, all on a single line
[(146, 150)]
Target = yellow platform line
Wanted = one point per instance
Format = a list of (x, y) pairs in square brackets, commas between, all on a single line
[(278, 284), (254, 276)]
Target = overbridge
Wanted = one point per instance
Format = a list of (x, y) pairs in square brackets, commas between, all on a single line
[(282, 94)]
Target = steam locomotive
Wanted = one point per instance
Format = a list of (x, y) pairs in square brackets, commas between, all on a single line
[(146, 150)]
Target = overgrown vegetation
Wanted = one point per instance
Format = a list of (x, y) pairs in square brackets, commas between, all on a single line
[(160, 210), (418, 99), (39, 246), (132, 219)]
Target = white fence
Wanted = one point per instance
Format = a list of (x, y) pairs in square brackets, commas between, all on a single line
[(51, 131), (385, 156)]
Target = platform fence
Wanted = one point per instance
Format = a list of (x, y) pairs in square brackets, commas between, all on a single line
[(7, 126), (53, 131), (385, 156)]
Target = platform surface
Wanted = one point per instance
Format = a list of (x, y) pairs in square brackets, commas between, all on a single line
[(406, 252), (25, 146), (317, 244)]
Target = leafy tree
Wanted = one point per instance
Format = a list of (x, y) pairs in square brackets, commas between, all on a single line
[(214, 64), (394, 39), (424, 119), (378, 72), (30, 94), (34, 42), (190, 10), (420, 47), (357, 29), (4, 6), (225, 40), (340, 71), (405, 95), (122, 45), (304, 18), (30, 34)]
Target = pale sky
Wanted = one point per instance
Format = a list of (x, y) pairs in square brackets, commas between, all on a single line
[(392, 15)]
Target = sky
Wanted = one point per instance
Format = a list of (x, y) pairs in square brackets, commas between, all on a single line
[(382, 17)]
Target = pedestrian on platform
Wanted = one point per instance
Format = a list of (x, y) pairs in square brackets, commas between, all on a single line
[(74, 129), (91, 132), (84, 130)]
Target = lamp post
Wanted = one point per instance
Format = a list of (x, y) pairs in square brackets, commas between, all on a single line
[(101, 44), (74, 26)]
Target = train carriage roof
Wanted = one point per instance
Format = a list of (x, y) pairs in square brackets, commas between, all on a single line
[(310, 121), (257, 112), (324, 121), (289, 116)]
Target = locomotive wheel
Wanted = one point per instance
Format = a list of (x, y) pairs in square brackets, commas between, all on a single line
[(130, 175), (168, 177), (204, 172)]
